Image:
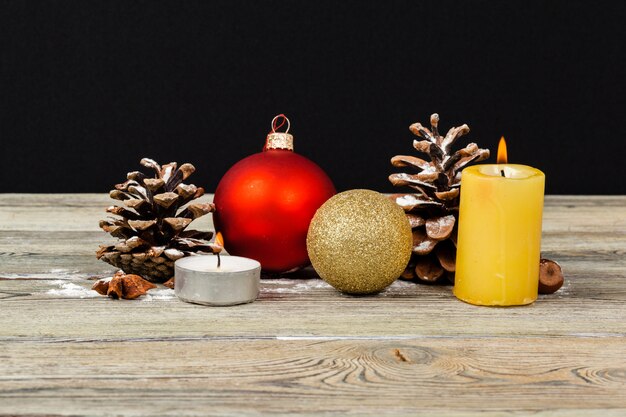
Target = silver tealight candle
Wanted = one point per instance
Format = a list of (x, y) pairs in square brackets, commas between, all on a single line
[(200, 280)]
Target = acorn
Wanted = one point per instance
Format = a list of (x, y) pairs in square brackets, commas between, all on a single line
[(550, 276)]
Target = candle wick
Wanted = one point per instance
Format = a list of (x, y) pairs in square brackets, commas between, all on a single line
[(502, 173), (219, 260)]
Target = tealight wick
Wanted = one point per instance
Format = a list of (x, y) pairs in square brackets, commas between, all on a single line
[(502, 173), (219, 241)]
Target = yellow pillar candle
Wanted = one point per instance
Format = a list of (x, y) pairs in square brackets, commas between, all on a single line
[(499, 240)]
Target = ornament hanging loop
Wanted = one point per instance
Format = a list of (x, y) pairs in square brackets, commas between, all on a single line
[(279, 140), (284, 120)]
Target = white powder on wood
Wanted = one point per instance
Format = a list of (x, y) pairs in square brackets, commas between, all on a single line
[(159, 295), (70, 290), (276, 285)]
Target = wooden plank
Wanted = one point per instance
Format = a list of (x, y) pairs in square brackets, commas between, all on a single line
[(39, 233), (431, 376), (31, 252), (40, 309), (593, 261), (42, 212), (303, 347), (66, 212)]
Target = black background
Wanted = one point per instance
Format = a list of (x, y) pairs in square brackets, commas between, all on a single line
[(88, 88)]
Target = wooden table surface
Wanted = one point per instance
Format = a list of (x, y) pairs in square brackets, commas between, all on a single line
[(304, 348)]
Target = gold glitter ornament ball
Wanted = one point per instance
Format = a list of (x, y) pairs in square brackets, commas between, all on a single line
[(359, 241)]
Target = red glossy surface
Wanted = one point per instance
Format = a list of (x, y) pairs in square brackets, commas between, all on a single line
[(265, 203)]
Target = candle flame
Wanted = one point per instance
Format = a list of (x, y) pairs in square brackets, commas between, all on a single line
[(219, 239), (502, 157)]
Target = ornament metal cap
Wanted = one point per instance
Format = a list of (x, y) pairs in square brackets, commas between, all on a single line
[(279, 140)]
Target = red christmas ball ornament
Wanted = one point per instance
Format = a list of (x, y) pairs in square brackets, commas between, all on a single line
[(265, 203)]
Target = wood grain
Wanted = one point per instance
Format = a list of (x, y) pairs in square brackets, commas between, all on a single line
[(304, 348), (335, 377)]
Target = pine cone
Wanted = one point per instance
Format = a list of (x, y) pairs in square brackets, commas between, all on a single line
[(433, 208), (153, 221)]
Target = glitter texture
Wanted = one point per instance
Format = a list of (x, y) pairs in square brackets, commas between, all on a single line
[(359, 241), (278, 140)]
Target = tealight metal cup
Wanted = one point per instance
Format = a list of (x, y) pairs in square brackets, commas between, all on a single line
[(200, 281)]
